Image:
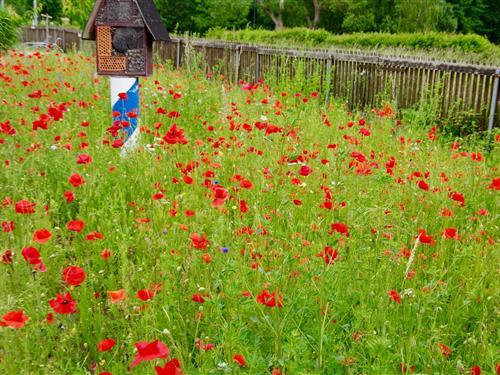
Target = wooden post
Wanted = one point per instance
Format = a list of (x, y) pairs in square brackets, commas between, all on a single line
[(237, 64), (178, 54), (494, 99), (328, 81), (257, 65)]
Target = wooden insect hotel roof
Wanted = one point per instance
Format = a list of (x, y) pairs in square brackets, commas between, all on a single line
[(148, 13)]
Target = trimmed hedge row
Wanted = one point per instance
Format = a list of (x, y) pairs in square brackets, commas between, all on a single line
[(470, 43), (8, 31)]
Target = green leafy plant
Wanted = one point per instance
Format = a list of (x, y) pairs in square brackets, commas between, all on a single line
[(8, 30)]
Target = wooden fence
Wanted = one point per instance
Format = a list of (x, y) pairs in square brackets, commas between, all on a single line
[(66, 39), (463, 92)]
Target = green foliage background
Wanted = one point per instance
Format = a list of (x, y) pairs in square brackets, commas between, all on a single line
[(481, 17)]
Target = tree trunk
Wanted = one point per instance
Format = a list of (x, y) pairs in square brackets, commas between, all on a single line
[(317, 14), (277, 18), (313, 22)]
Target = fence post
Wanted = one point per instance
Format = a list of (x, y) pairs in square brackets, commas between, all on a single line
[(237, 64), (328, 81), (494, 98), (178, 54), (257, 65)]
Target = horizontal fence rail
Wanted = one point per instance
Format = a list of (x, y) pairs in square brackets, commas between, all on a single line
[(456, 90)]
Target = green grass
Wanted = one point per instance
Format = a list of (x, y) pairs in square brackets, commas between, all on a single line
[(335, 319)]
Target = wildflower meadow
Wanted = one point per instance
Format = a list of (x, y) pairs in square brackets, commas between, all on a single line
[(255, 230)]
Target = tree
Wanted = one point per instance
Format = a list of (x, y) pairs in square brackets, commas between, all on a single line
[(313, 12), (230, 14), (53, 8), (177, 15), (424, 16), (78, 11), (292, 13), (20, 6), (360, 16), (275, 10), (478, 16)]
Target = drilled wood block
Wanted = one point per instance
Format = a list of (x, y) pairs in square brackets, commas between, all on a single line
[(112, 63), (104, 41)]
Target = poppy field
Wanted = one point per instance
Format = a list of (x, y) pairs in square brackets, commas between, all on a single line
[(253, 231)]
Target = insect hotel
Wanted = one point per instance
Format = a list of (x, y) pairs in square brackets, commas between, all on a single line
[(124, 31)]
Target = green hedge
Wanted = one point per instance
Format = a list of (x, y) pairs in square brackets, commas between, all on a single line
[(8, 31), (302, 37)]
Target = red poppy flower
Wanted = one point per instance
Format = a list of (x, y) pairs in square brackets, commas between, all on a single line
[(7, 257), (329, 255), (198, 298), (446, 212), (358, 156), (205, 347), (94, 236), (8, 226), (158, 196), (145, 294), (105, 345), (75, 225), (425, 238), (475, 370), (305, 170), (476, 156), (69, 195), (63, 304), (116, 295), (76, 180), (273, 299), (423, 185), (220, 196), (31, 255), (73, 275), (394, 295), (239, 359), (105, 254), (175, 135), (340, 228), (495, 184), (123, 96), (84, 159), (25, 207), (407, 368), (49, 319), (458, 197), (199, 242), (14, 319), (451, 233), (445, 351), (42, 236), (172, 367), (117, 143), (243, 207), (148, 351)]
